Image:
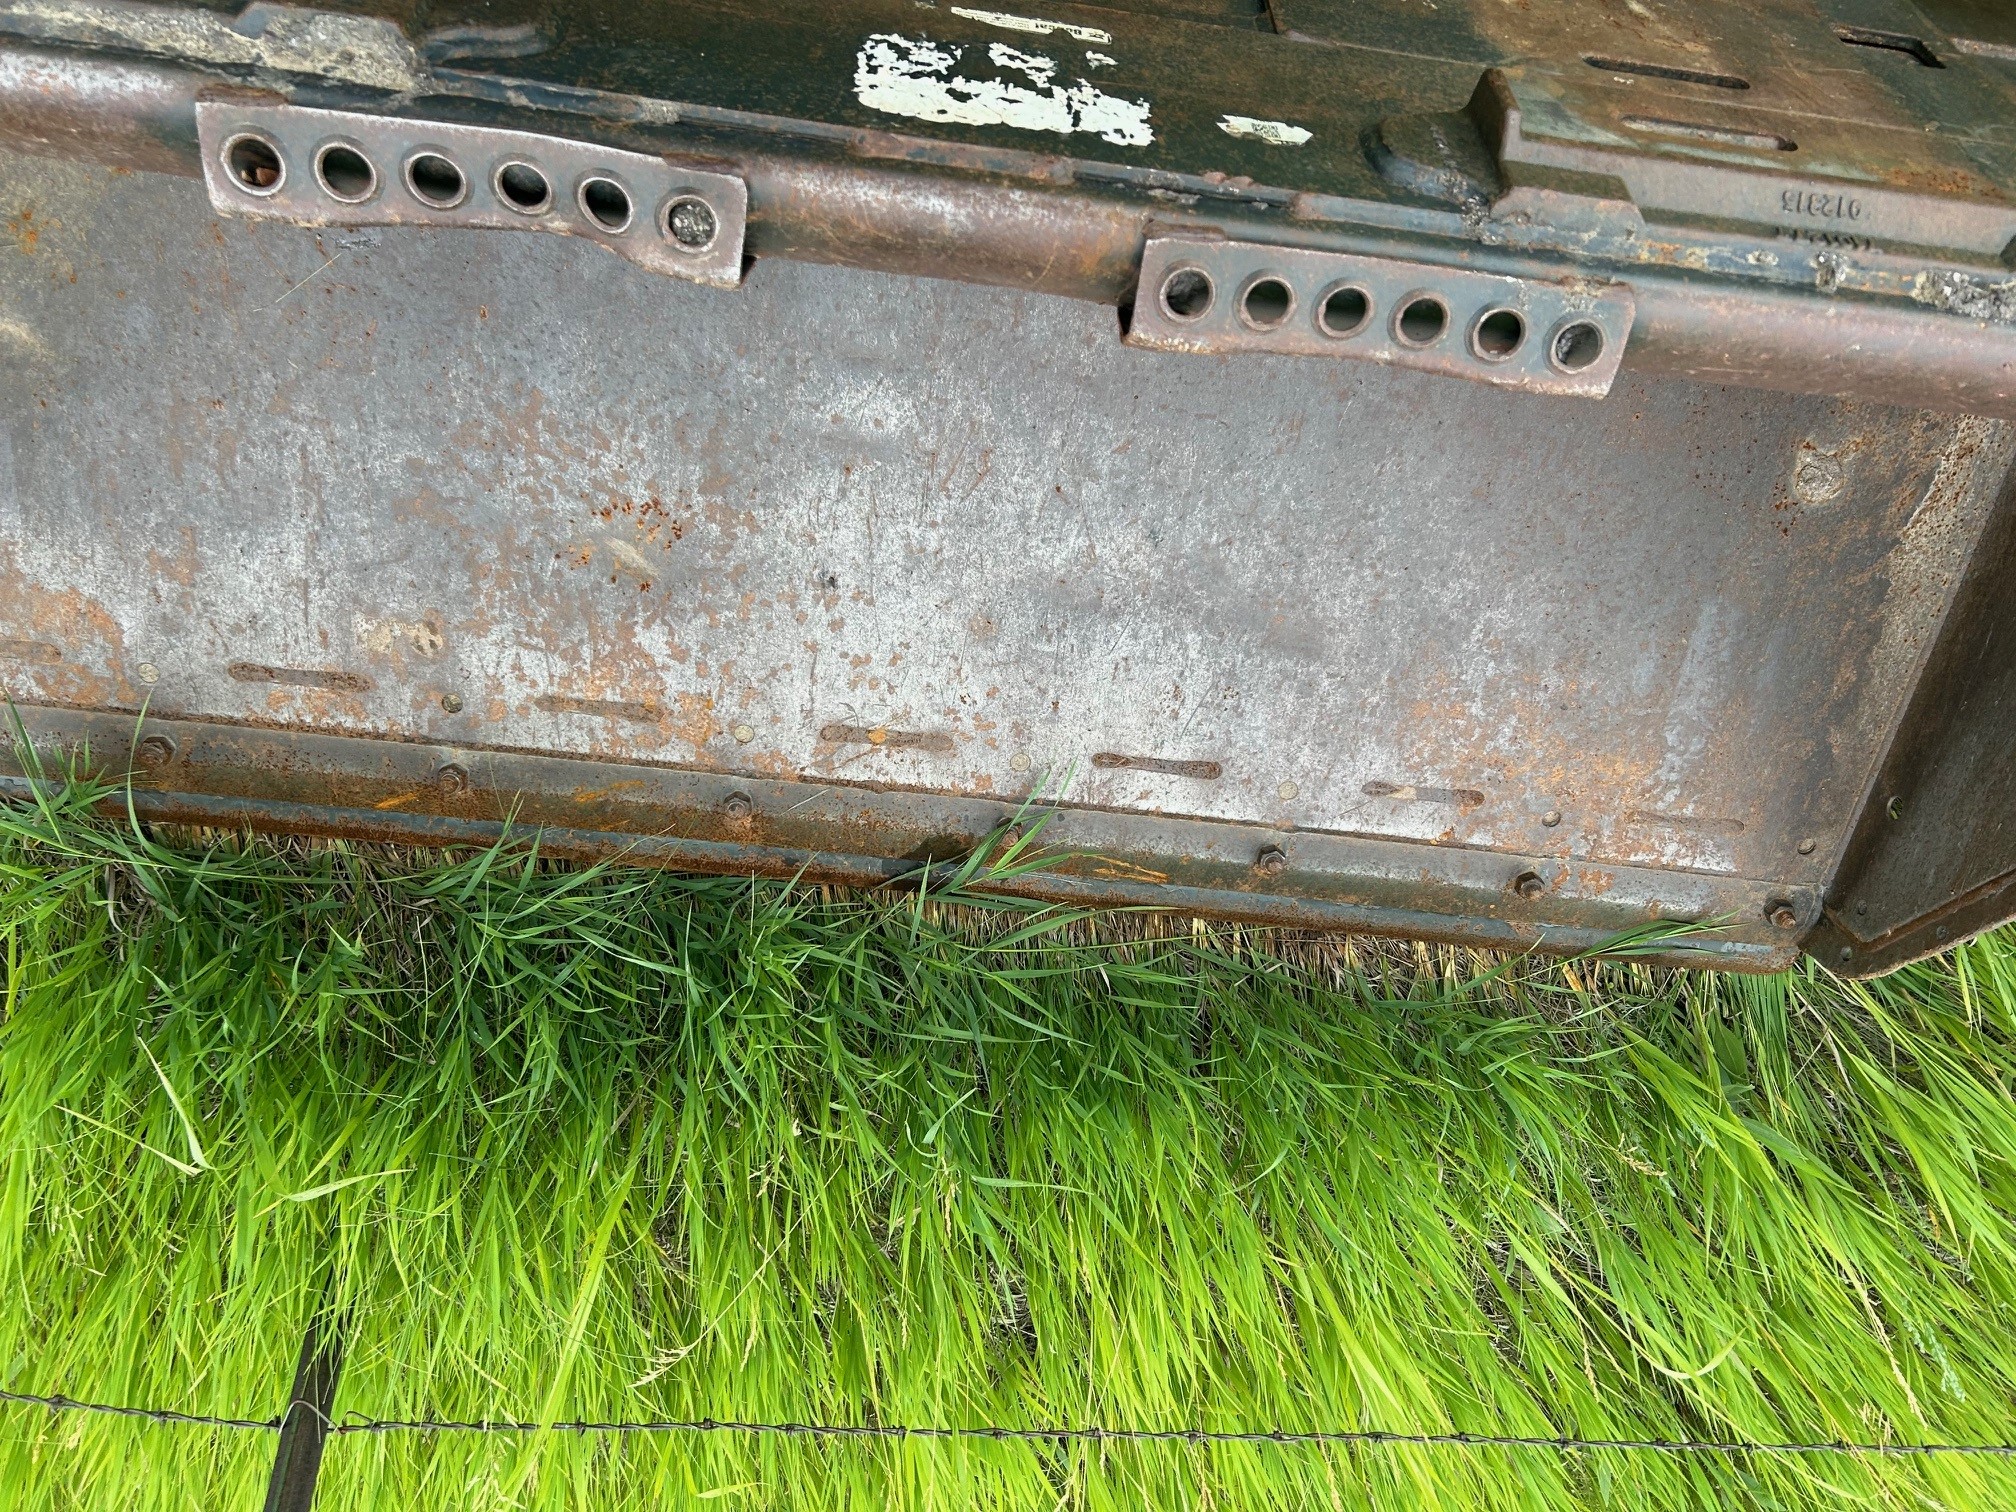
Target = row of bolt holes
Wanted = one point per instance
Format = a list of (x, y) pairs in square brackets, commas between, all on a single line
[(346, 175), (1345, 310), (156, 751)]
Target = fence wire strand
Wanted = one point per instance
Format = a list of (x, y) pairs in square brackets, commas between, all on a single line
[(352, 1423)]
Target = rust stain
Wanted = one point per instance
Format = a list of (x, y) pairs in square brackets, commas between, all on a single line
[(1706, 824), (29, 651), (397, 800)]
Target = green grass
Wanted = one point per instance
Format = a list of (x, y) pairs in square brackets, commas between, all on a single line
[(622, 1144)]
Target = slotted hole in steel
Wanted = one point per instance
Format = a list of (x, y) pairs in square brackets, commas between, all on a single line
[(1267, 302), (524, 188), (1914, 48), (1186, 293), (1344, 311), (607, 203), (436, 180), (1422, 320), (1667, 71), (345, 173), (1576, 346), (255, 163), (1499, 334)]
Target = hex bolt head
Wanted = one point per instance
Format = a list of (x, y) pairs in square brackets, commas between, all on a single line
[(1782, 914), (451, 777), (1271, 862), (451, 703), (154, 752), (738, 805)]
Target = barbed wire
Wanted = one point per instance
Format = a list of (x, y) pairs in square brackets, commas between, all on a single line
[(1364, 1437)]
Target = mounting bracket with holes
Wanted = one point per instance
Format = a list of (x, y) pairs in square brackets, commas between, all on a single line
[(339, 168), (1201, 294)]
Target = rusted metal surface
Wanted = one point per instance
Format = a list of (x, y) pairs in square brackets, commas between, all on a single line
[(433, 793), (1039, 151), (383, 518), (442, 497)]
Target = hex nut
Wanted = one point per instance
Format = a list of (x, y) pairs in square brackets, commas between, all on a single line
[(154, 752), (1271, 862), (1529, 885), (738, 805), (451, 777)]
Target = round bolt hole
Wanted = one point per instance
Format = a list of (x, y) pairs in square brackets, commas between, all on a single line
[(1421, 321), (1344, 312), (345, 173), (1894, 808), (607, 203), (1529, 884), (1186, 294), (691, 223), (436, 180), (154, 752), (451, 703), (1576, 346), (523, 188), (1271, 862), (738, 805), (451, 778), (1266, 303), (1498, 335), (1782, 914), (254, 163)]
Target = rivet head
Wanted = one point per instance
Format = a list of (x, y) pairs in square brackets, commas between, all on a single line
[(1862, 905), (744, 734), (1782, 914), (1271, 862), (1808, 846), (1529, 884), (738, 805), (1551, 818), (451, 778), (148, 673), (1847, 953), (451, 703), (154, 752), (1289, 790), (1019, 762)]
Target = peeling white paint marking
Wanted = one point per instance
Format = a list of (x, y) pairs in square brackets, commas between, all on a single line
[(1039, 68), (1100, 60), (1274, 133), (1034, 25), (915, 77)]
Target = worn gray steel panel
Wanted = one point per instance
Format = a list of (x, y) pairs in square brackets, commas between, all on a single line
[(941, 537)]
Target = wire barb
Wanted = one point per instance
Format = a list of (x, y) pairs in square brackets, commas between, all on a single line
[(1372, 1437)]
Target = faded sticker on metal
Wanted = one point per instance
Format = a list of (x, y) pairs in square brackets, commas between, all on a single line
[(922, 79)]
